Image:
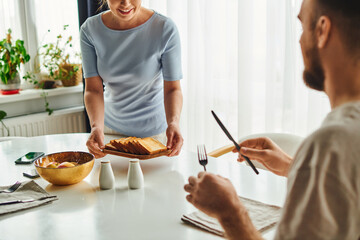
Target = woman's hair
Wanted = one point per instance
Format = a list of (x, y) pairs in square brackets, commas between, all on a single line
[(103, 5)]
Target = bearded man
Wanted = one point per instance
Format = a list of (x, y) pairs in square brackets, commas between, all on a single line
[(323, 197)]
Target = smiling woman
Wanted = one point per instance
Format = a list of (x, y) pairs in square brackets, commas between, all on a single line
[(135, 53)]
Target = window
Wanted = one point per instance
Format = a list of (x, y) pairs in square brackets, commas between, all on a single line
[(30, 21)]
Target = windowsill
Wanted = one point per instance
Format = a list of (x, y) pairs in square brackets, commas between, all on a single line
[(30, 100), (28, 94)]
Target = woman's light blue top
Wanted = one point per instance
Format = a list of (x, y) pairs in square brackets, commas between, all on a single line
[(133, 64)]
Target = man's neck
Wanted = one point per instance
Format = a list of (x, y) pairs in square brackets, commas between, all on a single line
[(342, 81)]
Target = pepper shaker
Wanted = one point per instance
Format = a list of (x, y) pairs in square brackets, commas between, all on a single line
[(106, 178), (135, 176)]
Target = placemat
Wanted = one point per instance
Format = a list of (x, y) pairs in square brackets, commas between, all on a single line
[(263, 216), (27, 190)]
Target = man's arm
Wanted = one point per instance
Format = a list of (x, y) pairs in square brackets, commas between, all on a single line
[(239, 225), (216, 196)]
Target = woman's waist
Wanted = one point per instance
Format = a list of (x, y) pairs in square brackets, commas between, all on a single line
[(135, 112), (140, 126)]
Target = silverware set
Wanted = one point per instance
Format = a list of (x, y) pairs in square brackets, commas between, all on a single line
[(201, 151)]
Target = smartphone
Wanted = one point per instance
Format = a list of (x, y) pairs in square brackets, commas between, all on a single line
[(29, 158), (31, 173)]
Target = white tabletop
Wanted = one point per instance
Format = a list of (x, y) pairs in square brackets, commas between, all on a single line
[(83, 211)]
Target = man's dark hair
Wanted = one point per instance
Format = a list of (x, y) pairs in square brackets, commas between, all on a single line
[(345, 15)]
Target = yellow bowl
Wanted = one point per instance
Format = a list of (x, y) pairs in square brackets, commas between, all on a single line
[(67, 175)]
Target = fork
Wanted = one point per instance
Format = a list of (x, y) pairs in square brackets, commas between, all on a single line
[(203, 160), (12, 188)]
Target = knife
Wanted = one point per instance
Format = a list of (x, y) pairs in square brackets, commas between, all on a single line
[(235, 143)]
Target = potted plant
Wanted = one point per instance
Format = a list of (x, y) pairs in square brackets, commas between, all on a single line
[(56, 60), (11, 56)]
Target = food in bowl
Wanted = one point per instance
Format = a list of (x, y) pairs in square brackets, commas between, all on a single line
[(65, 168), (52, 165), (67, 164), (61, 165)]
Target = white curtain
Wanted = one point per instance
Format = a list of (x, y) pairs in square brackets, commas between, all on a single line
[(243, 60)]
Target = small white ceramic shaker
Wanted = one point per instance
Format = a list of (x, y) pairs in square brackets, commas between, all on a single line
[(135, 176), (106, 178)]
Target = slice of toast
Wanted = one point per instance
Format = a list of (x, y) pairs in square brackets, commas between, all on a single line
[(130, 146), (136, 144), (119, 144), (151, 145), (110, 147)]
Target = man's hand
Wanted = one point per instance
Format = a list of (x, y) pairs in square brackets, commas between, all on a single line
[(174, 139), (95, 143), (212, 194), (265, 151), (216, 196)]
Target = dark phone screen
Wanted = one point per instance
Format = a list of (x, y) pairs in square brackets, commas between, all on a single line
[(29, 157)]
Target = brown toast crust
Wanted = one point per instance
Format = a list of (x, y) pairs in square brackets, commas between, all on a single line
[(110, 146)]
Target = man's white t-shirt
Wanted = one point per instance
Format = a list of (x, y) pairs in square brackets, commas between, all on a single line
[(323, 199)]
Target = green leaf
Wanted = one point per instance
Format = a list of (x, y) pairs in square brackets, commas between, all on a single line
[(3, 77), (6, 68), (27, 57), (7, 46), (2, 115), (19, 43)]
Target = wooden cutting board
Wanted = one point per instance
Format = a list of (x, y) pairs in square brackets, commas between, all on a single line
[(138, 156)]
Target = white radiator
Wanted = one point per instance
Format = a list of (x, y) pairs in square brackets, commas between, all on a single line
[(69, 120)]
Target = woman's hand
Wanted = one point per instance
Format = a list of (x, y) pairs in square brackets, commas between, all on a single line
[(174, 139), (265, 151), (95, 143)]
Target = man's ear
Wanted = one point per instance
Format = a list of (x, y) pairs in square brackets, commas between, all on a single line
[(323, 30)]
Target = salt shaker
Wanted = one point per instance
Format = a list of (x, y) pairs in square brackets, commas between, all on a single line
[(106, 178), (135, 176)]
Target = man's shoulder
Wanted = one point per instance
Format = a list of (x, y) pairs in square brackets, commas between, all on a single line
[(331, 133), (331, 144)]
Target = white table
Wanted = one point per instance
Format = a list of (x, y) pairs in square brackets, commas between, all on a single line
[(83, 211)]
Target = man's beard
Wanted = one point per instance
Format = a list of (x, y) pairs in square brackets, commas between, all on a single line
[(314, 75)]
